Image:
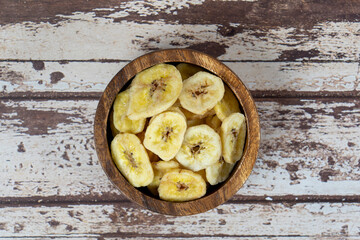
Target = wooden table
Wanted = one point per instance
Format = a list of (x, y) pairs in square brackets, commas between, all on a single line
[(300, 59)]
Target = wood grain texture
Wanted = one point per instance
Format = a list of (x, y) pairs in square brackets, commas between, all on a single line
[(112, 38), (183, 238), (249, 13), (260, 77), (42, 141), (309, 150), (112, 237), (336, 220), (40, 76), (303, 55)]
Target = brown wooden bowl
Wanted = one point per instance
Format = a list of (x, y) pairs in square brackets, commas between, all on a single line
[(215, 195)]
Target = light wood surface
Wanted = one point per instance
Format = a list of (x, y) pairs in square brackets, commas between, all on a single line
[(298, 58)]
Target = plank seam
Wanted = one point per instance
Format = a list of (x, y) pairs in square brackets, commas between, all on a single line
[(289, 200), (177, 235), (125, 235), (115, 235), (63, 61), (96, 95)]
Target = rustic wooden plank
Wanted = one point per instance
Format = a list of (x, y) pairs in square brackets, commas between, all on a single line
[(41, 141), (181, 238), (40, 76), (60, 35), (110, 237), (292, 77), (309, 143), (237, 220), (107, 237), (310, 150), (234, 237), (91, 237), (260, 13), (56, 237)]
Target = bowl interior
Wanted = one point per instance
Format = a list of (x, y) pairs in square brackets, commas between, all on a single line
[(144, 190), (215, 194)]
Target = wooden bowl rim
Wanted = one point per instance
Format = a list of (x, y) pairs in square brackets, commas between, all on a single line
[(241, 171)]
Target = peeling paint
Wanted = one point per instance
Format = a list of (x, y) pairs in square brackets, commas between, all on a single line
[(34, 122), (56, 77), (212, 48), (38, 65), (53, 223), (21, 147), (325, 174)]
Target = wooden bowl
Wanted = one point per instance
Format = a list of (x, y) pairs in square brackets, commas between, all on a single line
[(215, 195)]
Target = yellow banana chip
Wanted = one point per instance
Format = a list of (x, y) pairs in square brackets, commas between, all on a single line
[(233, 132), (201, 148), (160, 168), (153, 91), (119, 119), (131, 159), (201, 92), (187, 70), (181, 185), (165, 134), (218, 172), (228, 104)]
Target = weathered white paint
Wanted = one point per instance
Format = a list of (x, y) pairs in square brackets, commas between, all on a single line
[(292, 135), (78, 76), (263, 76), (91, 237), (54, 157), (183, 238), (151, 7), (294, 76), (65, 154), (306, 219), (83, 36)]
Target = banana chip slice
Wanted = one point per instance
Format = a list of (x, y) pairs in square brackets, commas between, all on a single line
[(181, 185), (176, 130), (228, 105), (219, 171), (233, 132), (119, 119), (131, 159), (194, 122), (187, 70), (152, 156), (165, 134), (153, 91), (201, 92), (201, 148), (160, 168), (193, 119), (191, 116), (176, 109), (214, 122), (202, 173)]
